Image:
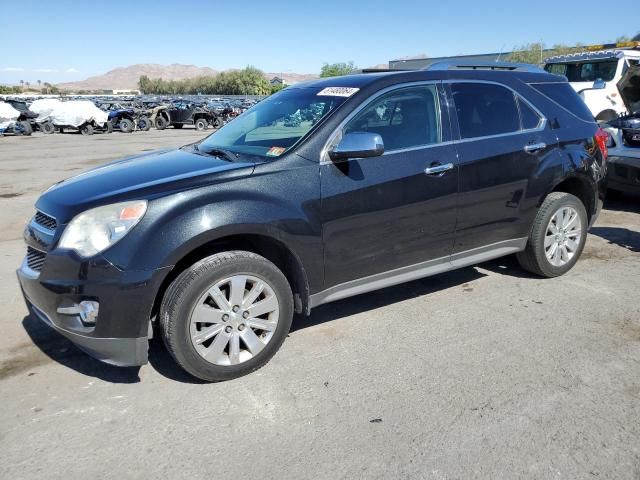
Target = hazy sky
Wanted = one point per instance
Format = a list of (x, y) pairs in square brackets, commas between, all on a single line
[(63, 40)]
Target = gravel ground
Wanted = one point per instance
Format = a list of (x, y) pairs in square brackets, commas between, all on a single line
[(485, 372)]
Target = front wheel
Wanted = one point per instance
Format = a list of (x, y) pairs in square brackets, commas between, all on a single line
[(227, 315), (202, 124), (87, 129), (557, 237)]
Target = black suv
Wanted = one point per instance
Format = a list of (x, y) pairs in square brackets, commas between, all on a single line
[(323, 191)]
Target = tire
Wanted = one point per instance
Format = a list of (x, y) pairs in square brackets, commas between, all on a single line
[(178, 126), (87, 129), (144, 124), (47, 128), (161, 122), (202, 124), (109, 127), (188, 291), (217, 122), (534, 258), (24, 128), (126, 125)]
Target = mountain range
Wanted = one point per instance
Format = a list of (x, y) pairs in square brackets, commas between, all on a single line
[(126, 78)]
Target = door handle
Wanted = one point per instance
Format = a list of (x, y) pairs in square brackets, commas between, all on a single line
[(534, 147), (438, 169)]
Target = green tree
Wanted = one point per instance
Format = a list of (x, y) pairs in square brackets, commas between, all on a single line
[(337, 69), (535, 53)]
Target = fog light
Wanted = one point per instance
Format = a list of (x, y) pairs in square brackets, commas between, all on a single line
[(89, 311)]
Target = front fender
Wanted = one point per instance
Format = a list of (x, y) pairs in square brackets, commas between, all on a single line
[(284, 207)]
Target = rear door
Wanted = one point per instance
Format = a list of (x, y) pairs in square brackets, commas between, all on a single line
[(503, 140), (386, 212)]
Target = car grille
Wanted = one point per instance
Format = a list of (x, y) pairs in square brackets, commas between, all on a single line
[(35, 259), (45, 221)]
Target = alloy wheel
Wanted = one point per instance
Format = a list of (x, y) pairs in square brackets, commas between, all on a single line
[(234, 320), (563, 236)]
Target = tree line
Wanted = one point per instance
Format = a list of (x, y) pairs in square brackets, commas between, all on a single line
[(249, 81)]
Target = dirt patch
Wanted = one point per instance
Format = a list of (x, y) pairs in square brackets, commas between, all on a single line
[(11, 194), (26, 356)]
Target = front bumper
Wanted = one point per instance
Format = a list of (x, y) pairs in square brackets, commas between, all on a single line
[(122, 329)]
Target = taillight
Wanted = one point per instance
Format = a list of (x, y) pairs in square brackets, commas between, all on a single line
[(601, 137)]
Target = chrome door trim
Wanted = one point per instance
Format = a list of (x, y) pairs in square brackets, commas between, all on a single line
[(419, 270)]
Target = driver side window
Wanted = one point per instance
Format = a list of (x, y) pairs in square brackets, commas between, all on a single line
[(404, 118)]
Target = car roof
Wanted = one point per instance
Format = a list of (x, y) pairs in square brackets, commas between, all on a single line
[(362, 80)]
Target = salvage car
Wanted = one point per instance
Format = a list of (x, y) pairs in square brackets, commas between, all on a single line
[(80, 115), (394, 177), (624, 138)]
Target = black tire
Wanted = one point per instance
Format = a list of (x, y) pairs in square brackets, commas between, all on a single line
[(87, 129), (533, 258), (23, 128), (109, 127), (202, 124), (161, 122), (47, 128), (144, 124), (217, 122), (178, 126), (126, 125), (184, 293)]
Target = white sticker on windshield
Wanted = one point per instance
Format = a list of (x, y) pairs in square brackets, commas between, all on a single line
[(338, 91)]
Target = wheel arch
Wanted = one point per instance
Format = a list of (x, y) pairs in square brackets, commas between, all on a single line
[(581, 188), (266, 246)]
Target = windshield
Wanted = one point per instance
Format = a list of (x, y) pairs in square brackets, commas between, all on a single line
[(585, 71), (274, 125)]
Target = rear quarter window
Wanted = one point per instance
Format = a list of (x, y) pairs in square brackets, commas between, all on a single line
[(565, 96)]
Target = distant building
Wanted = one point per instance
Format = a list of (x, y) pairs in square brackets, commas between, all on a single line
[(125, 92), (278, 81)]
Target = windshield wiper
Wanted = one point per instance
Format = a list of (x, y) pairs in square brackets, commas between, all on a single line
[(219, 152)]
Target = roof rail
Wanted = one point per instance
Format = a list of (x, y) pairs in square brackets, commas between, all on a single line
[(504, 66)]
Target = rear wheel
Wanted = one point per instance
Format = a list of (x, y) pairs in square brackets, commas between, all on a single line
[(217, 122), (202, 124), (144, 124), (161, 122), (126, 125), (47, 128), (557, 237), (227, 315), (87, 129)]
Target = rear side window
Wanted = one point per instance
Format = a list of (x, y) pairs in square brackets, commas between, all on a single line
[(530, 119), (565, 96), (485, 109)]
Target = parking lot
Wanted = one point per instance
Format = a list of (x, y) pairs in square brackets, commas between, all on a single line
[(485, 372)]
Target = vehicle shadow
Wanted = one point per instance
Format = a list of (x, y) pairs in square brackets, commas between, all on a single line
[(507, 266), (61, 350), (623, 237), (623, 203)]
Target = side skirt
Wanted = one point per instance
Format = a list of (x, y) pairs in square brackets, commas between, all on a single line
[(419, 270)]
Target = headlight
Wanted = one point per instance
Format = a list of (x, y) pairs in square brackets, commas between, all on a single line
[(95, 230)]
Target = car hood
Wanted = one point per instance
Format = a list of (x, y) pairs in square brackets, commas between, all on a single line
[(146, 176), (629, 88)]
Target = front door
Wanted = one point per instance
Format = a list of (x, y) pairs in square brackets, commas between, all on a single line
[(386, 212)]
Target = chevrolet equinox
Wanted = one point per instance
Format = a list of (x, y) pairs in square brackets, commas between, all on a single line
[(322, 191)]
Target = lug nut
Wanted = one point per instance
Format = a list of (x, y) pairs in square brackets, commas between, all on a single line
[(245, 314), (228, 329), (241, 327), (236, 308), (225, 317)]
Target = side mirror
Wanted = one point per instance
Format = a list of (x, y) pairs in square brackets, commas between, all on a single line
[(357, 145), (599, 84)]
